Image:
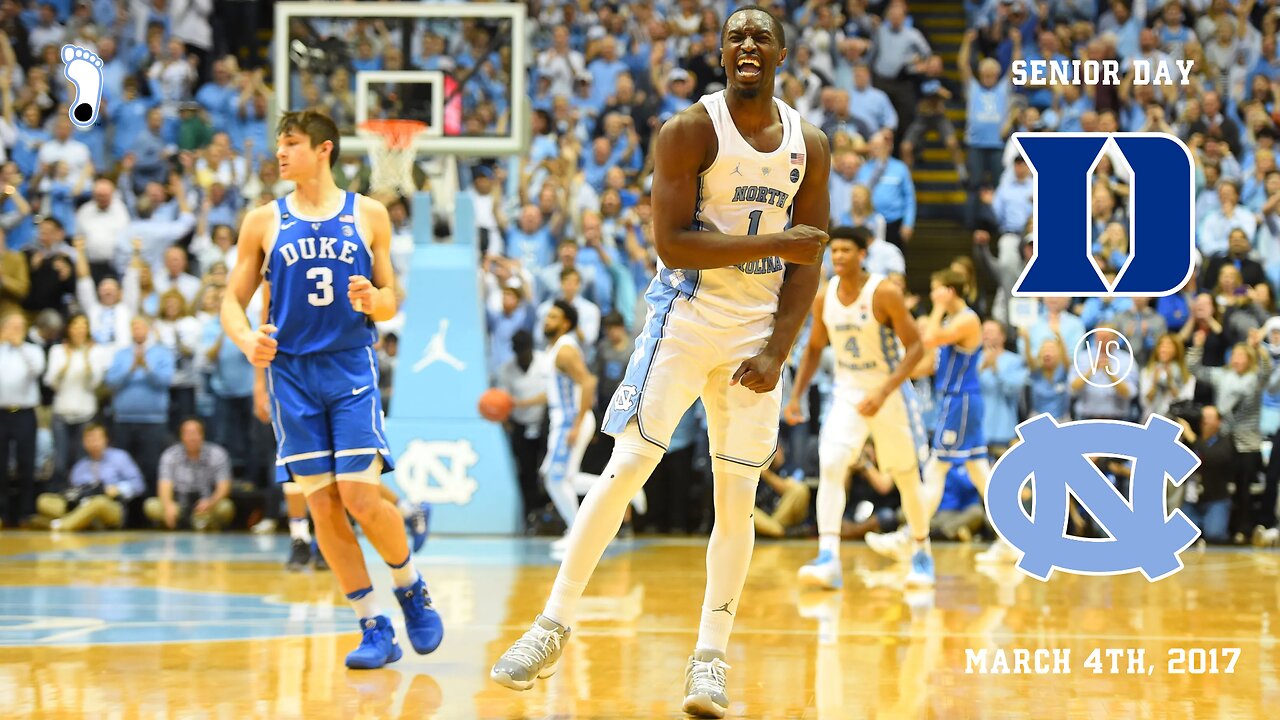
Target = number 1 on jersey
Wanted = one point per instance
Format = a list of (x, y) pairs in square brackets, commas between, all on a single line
[(755, 222)]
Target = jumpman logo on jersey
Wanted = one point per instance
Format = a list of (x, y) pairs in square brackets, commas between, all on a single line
[(435, 351), (737, 169), (724, 608)]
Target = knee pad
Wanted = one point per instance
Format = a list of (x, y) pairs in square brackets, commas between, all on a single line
[(371, 475), (734, 471), (310, 484), (631, 441)]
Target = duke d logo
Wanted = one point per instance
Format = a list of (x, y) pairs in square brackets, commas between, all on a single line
[(1161, 214), (1143, 536)]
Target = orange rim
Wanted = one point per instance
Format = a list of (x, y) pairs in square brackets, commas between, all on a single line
[(399, 134)]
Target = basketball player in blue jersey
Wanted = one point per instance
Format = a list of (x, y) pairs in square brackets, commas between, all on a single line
[(322, 371), (877, 345), (740, 215), (956, 331)]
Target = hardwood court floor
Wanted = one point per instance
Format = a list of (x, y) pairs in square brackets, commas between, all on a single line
[(174, 626)]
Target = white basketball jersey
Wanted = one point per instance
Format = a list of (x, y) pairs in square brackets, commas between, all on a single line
[(563, 394), (866, 352), (744, 192)]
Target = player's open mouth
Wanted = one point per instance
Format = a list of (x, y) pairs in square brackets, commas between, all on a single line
[(748, 67)]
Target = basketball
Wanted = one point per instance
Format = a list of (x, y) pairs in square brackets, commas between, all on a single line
[(496, 405)]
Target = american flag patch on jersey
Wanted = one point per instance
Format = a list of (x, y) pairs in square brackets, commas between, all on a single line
[(797, 158), (347, 219)]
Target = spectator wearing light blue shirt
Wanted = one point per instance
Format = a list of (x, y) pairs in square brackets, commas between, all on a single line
[(892, 191), (1047, 380), (140, 375), (529, 239), (101, 484), (1012, 203), (844, 173), (1217, 226), (1057, 322), (870, 104), (1001, 376)]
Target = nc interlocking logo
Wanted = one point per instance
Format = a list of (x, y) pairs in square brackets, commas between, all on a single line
[(1143, 536), (1161, 214)]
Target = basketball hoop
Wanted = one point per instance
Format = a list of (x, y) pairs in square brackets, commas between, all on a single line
[(391, 154)]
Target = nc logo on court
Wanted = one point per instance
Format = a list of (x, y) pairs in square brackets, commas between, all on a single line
[(1161, 214), (1143, 536)]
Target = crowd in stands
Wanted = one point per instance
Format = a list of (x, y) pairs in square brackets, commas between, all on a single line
[(117, 238)]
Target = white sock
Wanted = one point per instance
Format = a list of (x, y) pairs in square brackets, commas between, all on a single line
[(918, 545), (729, 551), (714, 630), (363, 603), (300, 529), (406, 574), (598, 520), (406, 508), (829, 544), (563, 602)]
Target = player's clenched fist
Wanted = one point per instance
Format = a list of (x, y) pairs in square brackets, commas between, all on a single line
[(804, 245), (361, 293), (259, 346)]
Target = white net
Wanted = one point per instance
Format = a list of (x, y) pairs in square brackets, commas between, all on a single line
[(391, 157)]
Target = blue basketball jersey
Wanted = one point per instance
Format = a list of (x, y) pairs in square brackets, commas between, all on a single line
[(308, 263), (958, 370)]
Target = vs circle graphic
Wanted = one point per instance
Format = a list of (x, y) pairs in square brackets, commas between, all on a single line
[(1103, 358)]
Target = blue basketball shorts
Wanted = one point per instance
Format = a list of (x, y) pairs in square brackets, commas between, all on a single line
[(959, 436), (327, 413)]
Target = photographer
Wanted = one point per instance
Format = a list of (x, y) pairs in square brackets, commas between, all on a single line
[(102, 483), (195, 484)]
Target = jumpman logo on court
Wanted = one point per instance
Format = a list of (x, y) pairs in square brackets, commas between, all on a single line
[(724, 608), (436, 352)]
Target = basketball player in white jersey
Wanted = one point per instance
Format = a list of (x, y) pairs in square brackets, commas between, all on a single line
[(876, 345), (571, 389), (740, 215)]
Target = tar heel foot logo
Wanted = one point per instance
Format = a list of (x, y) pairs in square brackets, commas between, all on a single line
[(1143, 536), (448, 463), (84, 69), (1161, 214)]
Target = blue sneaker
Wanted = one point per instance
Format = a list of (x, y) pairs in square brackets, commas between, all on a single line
[(823, 572), (416, 525), (921, 574), (421, 621), (378, 646)]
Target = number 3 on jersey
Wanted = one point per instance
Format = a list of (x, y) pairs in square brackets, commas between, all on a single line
[(324, 286)]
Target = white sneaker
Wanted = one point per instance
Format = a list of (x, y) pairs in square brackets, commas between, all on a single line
[(265, 526), (895, 545), (560, 545), (704, 685), (1266, 537), (999, 552), (822, 572)]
